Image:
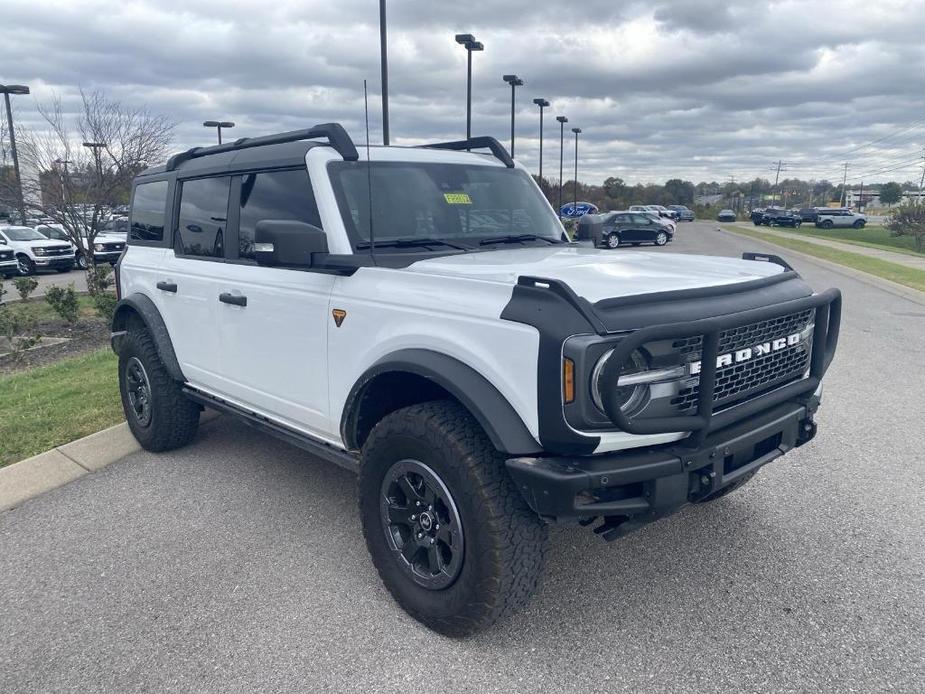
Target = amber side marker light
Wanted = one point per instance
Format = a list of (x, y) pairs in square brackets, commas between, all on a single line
[(568, 380)]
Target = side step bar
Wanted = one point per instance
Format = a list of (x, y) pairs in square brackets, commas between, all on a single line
[(344, 459)]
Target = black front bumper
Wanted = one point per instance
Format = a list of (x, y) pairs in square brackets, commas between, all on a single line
[(631, 488)]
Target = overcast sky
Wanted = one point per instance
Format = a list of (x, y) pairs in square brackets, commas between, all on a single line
[(699, 89)]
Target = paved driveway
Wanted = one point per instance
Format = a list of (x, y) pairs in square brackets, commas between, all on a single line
[(237, 565)]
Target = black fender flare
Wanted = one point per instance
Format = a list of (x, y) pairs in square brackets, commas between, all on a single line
[(142, 306), (494, 413)]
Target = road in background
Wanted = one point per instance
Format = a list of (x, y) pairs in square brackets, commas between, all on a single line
[(238, 564), (76, 277)]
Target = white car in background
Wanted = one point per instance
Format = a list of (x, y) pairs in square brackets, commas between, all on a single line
[(840, 217), (106, 248), (8, 265), (34, 252)]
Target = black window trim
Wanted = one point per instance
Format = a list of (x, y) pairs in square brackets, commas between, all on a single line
[(166, 237), (175, 217)]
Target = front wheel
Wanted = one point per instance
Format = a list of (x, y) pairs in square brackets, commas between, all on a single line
[(661, 238), (447, 530), (25, 265), (159, 415), (613, 240), (82, 261)]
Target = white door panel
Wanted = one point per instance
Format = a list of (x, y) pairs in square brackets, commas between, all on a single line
[(274, 349)]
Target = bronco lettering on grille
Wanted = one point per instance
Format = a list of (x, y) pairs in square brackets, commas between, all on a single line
[(748, 353)]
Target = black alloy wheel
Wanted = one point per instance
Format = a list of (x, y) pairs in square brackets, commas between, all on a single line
[(138, 389), (422, 524)]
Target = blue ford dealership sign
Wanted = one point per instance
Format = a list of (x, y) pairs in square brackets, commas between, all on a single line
[(577, 209)]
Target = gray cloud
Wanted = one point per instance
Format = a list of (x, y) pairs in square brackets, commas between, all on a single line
[(701, 89)]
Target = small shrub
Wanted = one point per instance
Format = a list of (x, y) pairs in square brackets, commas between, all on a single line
[(64, 302), (100, 277), (20, 330), (909, 220), (105, 305), (25, 286)]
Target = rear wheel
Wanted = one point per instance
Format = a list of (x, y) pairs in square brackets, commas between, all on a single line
[(613, 240), (827, 224), (157, 412), (448, 532), (82, 261)]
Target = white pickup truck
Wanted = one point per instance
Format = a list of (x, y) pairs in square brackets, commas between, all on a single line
[(417, 315)]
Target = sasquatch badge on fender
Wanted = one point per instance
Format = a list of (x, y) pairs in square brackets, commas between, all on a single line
[(339, 315)]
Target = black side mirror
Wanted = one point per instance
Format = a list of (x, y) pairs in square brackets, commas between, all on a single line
[(283, 242)]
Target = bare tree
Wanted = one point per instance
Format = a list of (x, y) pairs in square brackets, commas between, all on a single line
[(73, 184)]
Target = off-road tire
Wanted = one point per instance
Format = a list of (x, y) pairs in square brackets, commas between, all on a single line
[(859, 224), (174, 419), (739, 483), (504, 541), (827, 224)]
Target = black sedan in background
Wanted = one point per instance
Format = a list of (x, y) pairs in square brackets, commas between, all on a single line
[(726, 216), (630, 229), (776, 216), (684, 214)]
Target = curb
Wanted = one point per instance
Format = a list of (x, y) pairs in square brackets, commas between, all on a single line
[(900, 290), (33, 476)]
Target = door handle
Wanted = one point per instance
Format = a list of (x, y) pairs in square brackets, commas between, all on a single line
[(234, 299), (167, 287)]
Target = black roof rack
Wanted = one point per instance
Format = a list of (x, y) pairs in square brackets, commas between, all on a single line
[(334, 132), (478, 143)]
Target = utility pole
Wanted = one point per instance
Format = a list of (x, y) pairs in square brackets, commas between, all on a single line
[(384, 68), (577, 132), (735, 198), (6, 90), (844, 189), (542, 103), (562, 121), (921, 182)]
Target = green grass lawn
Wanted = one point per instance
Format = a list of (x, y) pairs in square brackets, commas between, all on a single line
[(907, 276), (871, 236), (52, 405)]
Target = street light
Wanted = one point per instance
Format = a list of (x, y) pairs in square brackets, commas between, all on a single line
[(562, 121), (96, 147), (576, 131), (515, 82), (218, 125), (468, 40), (542, 103), (6, 90), (63, 164)]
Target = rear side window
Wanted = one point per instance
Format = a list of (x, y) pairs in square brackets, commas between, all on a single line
[(149, 202), (203, 218), (274, 195)]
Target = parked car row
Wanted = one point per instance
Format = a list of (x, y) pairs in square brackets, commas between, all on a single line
[(677, 213), (27, 250), (822, 217)]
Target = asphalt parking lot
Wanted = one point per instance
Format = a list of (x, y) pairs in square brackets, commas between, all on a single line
[(238, 565)]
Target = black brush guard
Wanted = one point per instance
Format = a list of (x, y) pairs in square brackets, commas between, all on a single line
[(827, 306)]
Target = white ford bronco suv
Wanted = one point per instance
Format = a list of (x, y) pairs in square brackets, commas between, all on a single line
[(417, 315)]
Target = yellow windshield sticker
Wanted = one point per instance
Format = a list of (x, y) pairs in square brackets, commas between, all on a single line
[(457, 198)]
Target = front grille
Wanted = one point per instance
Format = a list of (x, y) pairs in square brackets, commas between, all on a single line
[(58, 250), (737, 382), (748, 335)]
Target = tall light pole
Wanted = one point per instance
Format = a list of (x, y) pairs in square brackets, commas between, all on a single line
[(562, 121), (6, 90), (542, 103), (515, 82), (576, 131), (218, 125), (63, 164), (471, 45), (384, 69)]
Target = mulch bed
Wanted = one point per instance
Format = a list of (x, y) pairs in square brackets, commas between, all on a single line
[(88, 335)]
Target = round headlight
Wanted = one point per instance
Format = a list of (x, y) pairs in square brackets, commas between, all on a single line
[(630, 397)]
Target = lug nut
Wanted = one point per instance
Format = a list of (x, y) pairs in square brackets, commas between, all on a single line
[(414, 516), (430, 507), (432, 540), (420, 535), (436, 527)]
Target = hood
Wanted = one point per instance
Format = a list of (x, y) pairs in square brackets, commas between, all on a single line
[(599, 274)]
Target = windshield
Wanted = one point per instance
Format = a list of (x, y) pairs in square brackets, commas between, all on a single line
[(23, 234), (460, 203)]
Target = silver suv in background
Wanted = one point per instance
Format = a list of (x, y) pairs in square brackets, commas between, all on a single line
[(839, 217)]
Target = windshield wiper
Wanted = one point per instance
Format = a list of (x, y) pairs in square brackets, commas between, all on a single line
[(411, 243), (517, 238)]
